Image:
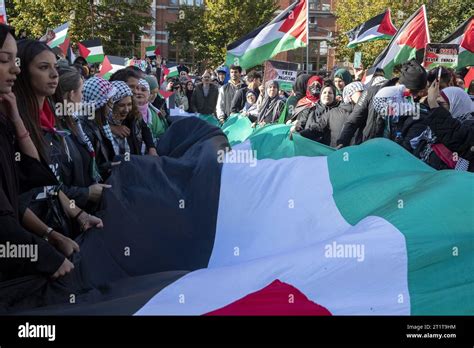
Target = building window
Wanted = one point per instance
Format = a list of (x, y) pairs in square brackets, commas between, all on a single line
[(187, 2), (326, 7)]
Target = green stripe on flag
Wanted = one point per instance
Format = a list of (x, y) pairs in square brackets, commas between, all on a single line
[(210, 119), (432, 209), (255, 56), (465, 58), (98, 58)]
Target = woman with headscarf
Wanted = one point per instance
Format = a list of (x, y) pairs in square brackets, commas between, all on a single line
[(98, 94), (450, 130), (251, 108), (327, 127), (156, 123), (308, 104), (271, 105), (316, 126), (342, 78), (125, 112)]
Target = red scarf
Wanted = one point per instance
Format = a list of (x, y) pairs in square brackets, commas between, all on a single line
[(310, 99), (46, 116)]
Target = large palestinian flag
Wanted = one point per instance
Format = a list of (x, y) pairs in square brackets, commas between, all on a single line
[(377, 28), (275, 227), (91, 50), (409, 39), (464, 37), (286, 32)]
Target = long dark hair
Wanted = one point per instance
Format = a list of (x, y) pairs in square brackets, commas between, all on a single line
[(4, 31), (69, 80), (26, 99)]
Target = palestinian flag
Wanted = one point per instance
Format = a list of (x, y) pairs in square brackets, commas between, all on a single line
[(275, 227), (110, 65), (464, 37), (410, 38), (377, 28), (60, 35), (151, 51), (170, 72), (91, 50), (287, 31)]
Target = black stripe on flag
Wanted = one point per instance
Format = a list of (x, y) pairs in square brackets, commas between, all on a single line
[(362, 28), (92, 43), (281, 17), (393, 41), (159, 219)]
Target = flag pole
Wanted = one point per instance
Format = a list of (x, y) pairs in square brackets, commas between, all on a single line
[(307, 36)]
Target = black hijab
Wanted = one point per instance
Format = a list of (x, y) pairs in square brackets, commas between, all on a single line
[(301, 85)]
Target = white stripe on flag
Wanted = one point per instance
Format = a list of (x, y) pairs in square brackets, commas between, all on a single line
[(372, 33), (97, 50), (267, 35), (275, 241)]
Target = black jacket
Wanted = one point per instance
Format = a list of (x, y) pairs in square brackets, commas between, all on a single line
[(133, 141), (457, 136), (364, 118), (205, 105), (34, 174), (104, 150), (326, 127), (240, 98)]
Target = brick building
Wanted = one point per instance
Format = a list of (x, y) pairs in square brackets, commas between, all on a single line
[(322, 31)]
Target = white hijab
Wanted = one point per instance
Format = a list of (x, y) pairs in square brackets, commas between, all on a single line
[(460, 104)]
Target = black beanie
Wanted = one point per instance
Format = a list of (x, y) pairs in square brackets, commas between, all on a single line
[(413, 76)]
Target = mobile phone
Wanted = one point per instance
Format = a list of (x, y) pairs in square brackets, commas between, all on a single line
[(439, 73)]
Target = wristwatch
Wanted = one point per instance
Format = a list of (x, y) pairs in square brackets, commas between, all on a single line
[(48, 232)]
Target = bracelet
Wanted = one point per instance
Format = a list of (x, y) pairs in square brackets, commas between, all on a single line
[(78, 214), (48, 232), (23, 136)]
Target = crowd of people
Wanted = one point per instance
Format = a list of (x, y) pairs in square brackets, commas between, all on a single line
[(55, 161)]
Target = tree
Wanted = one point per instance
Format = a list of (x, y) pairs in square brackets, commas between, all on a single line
[(116, 22), (218, 25), (187, 31), (444, 16)]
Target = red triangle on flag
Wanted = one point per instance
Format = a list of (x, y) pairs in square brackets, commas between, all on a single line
[(468, 39), (65, 45), (469, 77), (83, 50), (295, 23), (106, 67), (278, 298), (415, 34), (386, 27), (157, 52)]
